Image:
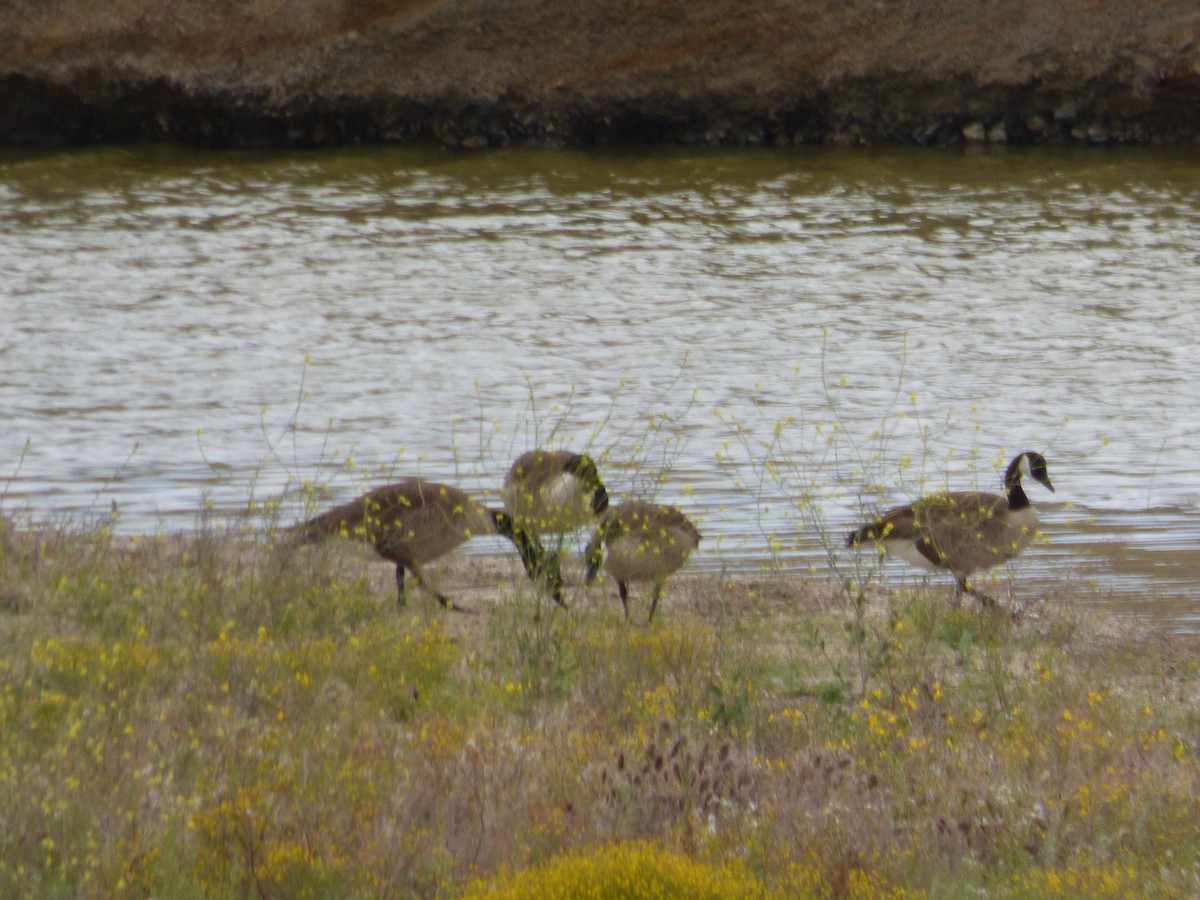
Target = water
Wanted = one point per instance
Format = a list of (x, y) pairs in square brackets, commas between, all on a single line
[(183, 329)]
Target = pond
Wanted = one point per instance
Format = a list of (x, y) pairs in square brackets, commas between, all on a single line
[(778, 341)]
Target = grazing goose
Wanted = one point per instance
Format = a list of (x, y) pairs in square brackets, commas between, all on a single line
[(415, 522), (641, 542), (554, 491), (962, 532)]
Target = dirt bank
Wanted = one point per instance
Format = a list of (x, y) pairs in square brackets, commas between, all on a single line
[(259, 73)]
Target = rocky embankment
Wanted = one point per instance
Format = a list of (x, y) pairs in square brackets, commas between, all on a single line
[(477, 73)]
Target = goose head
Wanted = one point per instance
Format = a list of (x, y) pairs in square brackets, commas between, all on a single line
[(1031, 464)]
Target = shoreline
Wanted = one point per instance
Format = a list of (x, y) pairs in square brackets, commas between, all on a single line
[(483, 579), (568, 74)]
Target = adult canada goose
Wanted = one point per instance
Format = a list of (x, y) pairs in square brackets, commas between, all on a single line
[(962, 532), (554, 491), (640, 542), (414, 522)]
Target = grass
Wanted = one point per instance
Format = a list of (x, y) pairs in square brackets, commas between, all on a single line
[(207, 716)]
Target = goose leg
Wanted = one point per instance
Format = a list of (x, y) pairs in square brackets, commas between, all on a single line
[(545, 571), (442, 599), (554, 581), (655, 593), (960, 588), (550, 577), (964, 588), (401, 601), (988, 602), (623, 590)]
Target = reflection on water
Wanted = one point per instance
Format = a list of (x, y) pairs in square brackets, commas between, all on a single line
[(793, 337)]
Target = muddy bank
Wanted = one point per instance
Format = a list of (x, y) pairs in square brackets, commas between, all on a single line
[(469, 73)]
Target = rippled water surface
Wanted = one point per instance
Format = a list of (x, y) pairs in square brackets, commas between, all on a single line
[(776, 341)]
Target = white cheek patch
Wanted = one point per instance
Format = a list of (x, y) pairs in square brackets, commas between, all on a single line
[(1023, 468)]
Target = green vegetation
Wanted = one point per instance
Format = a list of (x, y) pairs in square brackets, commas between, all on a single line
[(213, 717)]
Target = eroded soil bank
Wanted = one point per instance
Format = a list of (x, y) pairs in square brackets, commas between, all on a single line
[(469, 73)]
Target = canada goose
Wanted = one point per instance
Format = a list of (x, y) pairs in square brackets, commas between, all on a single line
[(962, 531), (640, 542), (554, 491), (414, 522)]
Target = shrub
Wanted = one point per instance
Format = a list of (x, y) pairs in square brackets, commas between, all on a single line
[(626, 871)]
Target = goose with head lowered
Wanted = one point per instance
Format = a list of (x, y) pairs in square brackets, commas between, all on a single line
[(554, 492), (639, 541), (962, 532), (412, 523)]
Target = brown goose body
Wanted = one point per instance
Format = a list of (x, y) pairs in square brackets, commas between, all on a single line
[(962, 532), (412, 523), (640, 541), (554, 491)]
